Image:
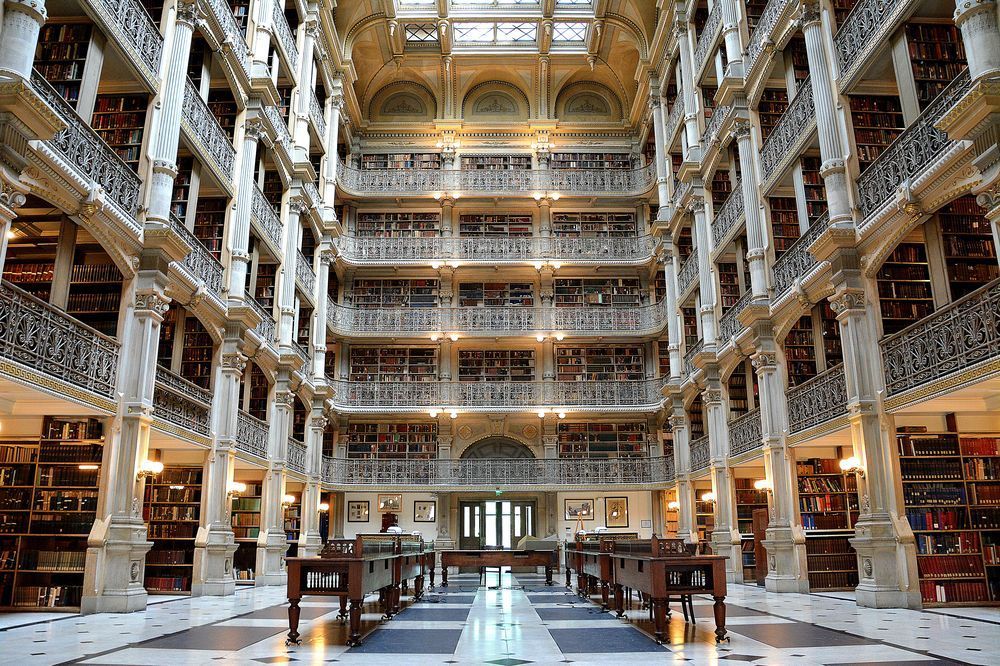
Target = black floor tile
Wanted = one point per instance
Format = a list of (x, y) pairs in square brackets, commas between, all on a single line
[(214, 637), (410, 641), (797, 634), (604, 641)]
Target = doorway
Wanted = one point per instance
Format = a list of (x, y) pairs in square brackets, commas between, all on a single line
[(495, 523)]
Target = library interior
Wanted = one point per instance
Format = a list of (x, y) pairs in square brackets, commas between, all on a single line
[(500, 331)]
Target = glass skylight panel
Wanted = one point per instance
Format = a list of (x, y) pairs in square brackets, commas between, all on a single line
[(574, 2), (474, 32), (421, 32), (569, 32), (516, 32), (495, 3), (414, 3)]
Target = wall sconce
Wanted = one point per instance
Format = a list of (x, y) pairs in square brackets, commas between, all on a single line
[(433, 413), (453, 414), (708, 497), (852, 465), (560, 336), (762, 484), (287, 501), (323, 506), (673, 505), (556, 265), (236, 488), (562, 415), (453, 337), (435, 265), (541, 413), (540, 337), (538, 265), (435, 337), (148, 468)]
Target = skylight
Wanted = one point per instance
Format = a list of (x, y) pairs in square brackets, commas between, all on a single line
[(495, 33), (421, 32), (569, 32)]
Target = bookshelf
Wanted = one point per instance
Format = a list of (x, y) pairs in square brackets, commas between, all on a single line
[(223, 107), (196, 359), (246, 529), (598, 363), (503, 225), (828, 498), (392, 440), (172, 510), (259, 390), (748, 499), (814, 187), (267, 274), (393, 364), (273, 189), (496, 294), (401, 161), (95, 289), (604, 161), (601, 440), (196, 57), (841, 8), (721, 187), (937, 55), (382, 293), (593, 225), (241, 11), (292, 518), (796, 52), (35, 277), (596, 292), (951, 492), (904, 287), (773, 103), (785, 228), (708, 99), (729, 285), (495, 162), (182, 188), (800, 351), (689, 318), (61, 56), (739, 400), (660, 285), (755, 8), (303, 329), (168, 333), (120, 121), (878, 120), (399, 225), (663, 358), (284, 101), (48, 498), (969, 251), (833, 351), (685, 245), (210, 223), (704, 520), (831, 562), (510, 365)]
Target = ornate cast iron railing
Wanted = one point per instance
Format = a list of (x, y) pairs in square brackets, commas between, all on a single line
[(251, 435), (913, 151), (280, 125), (296, 455), (762, 33), (316, 114), (707, 38), (283, 33), (266, 329), (86, 152), (313, 193), (223, 13), (304, 274), (715, 124), (689, 367), (745, 434), (641, 395), (687, 274), (132, 27), (729, 323), (955, 338), (865, 29), (797, 261), (701, 454), (47, 340), (201, 263), (499, 473), (818, 400), (795, 124), (268, 223), (728, 216), (178, 401), (674, 118), (206, 130)]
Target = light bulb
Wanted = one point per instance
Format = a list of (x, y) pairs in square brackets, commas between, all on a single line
[(435, 337), (560, 336), (851, 464), (708, 497), (541, 413), (673, 505), (151, 466), (556, 265), (555, 196), (435, 265), (562, 415), (323, 506), (453, 414), (538, 196), (288, 499), (11, 235), (433, 413), (237, 487), (538, 265), (453, 337), (540, 337), (762, 484), (437, 196), (88, 466), (456, 195)]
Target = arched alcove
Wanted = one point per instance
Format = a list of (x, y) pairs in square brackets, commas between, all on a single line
[(498, 447)]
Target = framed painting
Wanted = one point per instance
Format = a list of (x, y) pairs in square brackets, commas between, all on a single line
[(390, 503), (579, 509), (357, 511), (616, 511), (424, 511)]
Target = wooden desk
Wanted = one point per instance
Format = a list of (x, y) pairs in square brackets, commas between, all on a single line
[(662, 568), (429, 560), (594, 558), (571, 561), (348, 569), (409, 564), (497, 558)]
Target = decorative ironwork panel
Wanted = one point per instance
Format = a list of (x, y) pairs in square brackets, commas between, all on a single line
[(912, 153), (689, 367), (182, 403), (745, 434), (268, 221), (701, 454), (266, 329), (708, 37), (729, 323), (715, 124), (797, 261), (798, 120), (862, 31), (46, 339), (674, 118), (821, 399), (282, 136), (762, 33), (284, 35), (178, 384), (955, 338), (237, 40), (251, 435), (312, 192), (316, 114), (304, 274), (296, 455), (207, 131), (728, 216), (687, 274), (201, 263), (87, 153), (132, 25)]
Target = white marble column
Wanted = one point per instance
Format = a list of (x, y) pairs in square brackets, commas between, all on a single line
[(310, 541), (725, 537), (673, 322), (755, 224), (660, 156), (977, 20), (691, 103), (731, 40), (286, 287), (309, 29), (682, 465), (239, 221), (22, 21), (334, 103), (272, 543), (318, 333), (706, 282)]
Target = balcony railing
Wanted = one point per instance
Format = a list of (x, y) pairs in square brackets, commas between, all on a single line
[(316, 115), (237, 40), (745, 434), (762, 33), (728, 216), (182, 403), (280, 125), (512, 182), (913, 152), (296, 455), (86, 153), (489, 321), (45, 339), (201, 263), (632, 396), (689, 367), (797, 261), (132, 27), (391, 251), (956, 338), (686, 276), (283, 33), (206, 132), (715, 123), (701, 453), (794, 126), (818, 400), (268, 224), (499, 473), (707, 38), (266, 329), (304, 274), (729, 323), (674, 118), (251, 435), (864, 30)]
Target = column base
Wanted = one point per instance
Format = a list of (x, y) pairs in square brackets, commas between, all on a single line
[(886, 564), (213, 563), (728, 543), (786, 560), (113, 582), (270, 568), (310, 544)]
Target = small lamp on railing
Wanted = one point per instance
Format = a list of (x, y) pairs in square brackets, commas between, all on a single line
[(673, 505), (852, 465), (708, 497), (762, 484), (453, 414), (541, 413), (148, 468), (323, 506), (287, 501), (433, 413)]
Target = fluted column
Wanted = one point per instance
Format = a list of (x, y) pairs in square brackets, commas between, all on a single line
[(725, 536), (272, 543), (706, 285), (22, 21), (545, 217), (673, 323), (731, 39), (691, 105), (239, 221), (310, 540), (655, 104), (682, 466), (305, 88), (977, 19), (286, 304), (260, 39), (447, 216), (327, 255), (756, 233), (167, 131), (10, 200), (335, 102)]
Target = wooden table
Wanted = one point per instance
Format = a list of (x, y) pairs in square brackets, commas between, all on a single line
[(497, 558), (429, 560), (594, 562)]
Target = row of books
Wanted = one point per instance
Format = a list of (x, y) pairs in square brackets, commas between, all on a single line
[(948, 543), (819, 521), (931, 494), (172, 512), (167, 556), (61, 523), (931, 469), (982, 468), (65, 500), (952, 566), (822, 484), (53, 452), (56, 596), (172, 530), (936, 519), (15, 453), (168, 583), (74, 429), (946, 592), (822, 503), (176, 495), (246, 520), (980, 493), (943, 445), (65, 476), (246, 504), (53, 560)]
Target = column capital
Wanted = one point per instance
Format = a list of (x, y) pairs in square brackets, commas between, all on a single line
[(253, 128), (764, 361), (697, 204), (284, 398), (189, 12), (966, 9), (810, 13), (151, 303), (712, 396), (741, 129), (234, 361), (34, 8), (10, 196), (846, 300), (990, 201), (319, 422)]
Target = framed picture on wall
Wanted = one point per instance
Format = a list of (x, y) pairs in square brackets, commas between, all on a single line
[(390, 503), (357, 511), (424, 511), (579, 509), (645, 523), (616, 511)]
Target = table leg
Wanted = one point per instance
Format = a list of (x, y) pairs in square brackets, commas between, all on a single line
[(432, 575), (720, 619), (444, 576), (293, 622), (604, 594), (619, 600), (354, 637), (658, 618), (548, 575), (342, 615), (418, 587), (569, 580)]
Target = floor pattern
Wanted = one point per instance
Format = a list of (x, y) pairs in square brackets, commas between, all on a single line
[(519, 622)]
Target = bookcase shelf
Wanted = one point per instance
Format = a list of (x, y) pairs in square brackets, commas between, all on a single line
[(878, 120), (196, 359), (502, 225), (748, 499), (721, 187), (831, 561), (696, 418), (399, 225), (496, 294), (784, 223), (833, 351), (828, 498), (495, 162), (223, 107), (598, 363), (259, 389), (210, 223), (267, 274), (292, 518), (182, 187), (591, 161), (61, 56), (401, 161), (172, 510), (596, 292), (512, 365), (773, 103), (392, 440), (814, 187), (970, 253), (120, 120), (904, 287), (383, 293), (601, 440), (739, 402), (729, 285), (800, 351), (796, 51), (393, 364), (951, 492), (593, 225), (937, 55), (273, 189), (246, 529), (689, 318), (704, 520)]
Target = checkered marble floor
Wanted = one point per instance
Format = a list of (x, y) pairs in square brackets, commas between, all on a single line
[(517, 620)]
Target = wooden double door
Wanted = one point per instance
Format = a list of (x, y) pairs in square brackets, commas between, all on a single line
[(495, 523)]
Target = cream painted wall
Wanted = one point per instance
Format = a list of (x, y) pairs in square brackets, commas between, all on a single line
[(639, 509), (374, 524)]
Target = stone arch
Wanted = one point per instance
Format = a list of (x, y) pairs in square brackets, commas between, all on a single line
[(403, 101), (496, 100), (498, 446), (588, 101)]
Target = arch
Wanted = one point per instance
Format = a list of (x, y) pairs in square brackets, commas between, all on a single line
[(588, 101), (496, 100), (403, 101), (498, 446)]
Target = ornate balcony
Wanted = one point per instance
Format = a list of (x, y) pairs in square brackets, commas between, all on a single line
[(374, 250), (787, 138), (728, 217), (266, 329), (181, 403), (686, 275), (36, 337), (761, 36), (863, 32), (701, 454), (674, 119), (490, 474), (513, 183), (89, 157), (689, 367), (714, 125), (296, 456), (960, 337), (285, 38), (201, 263), (591, 396), (266, 221), (128, 22), (283, 138), (493, 321), (707, 39), (819, 400), (251, 435), (797, 261), (234, 39), (304, 275), (730, 324), (745, 434), (913, 153), (205, 133), (316, 116)]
